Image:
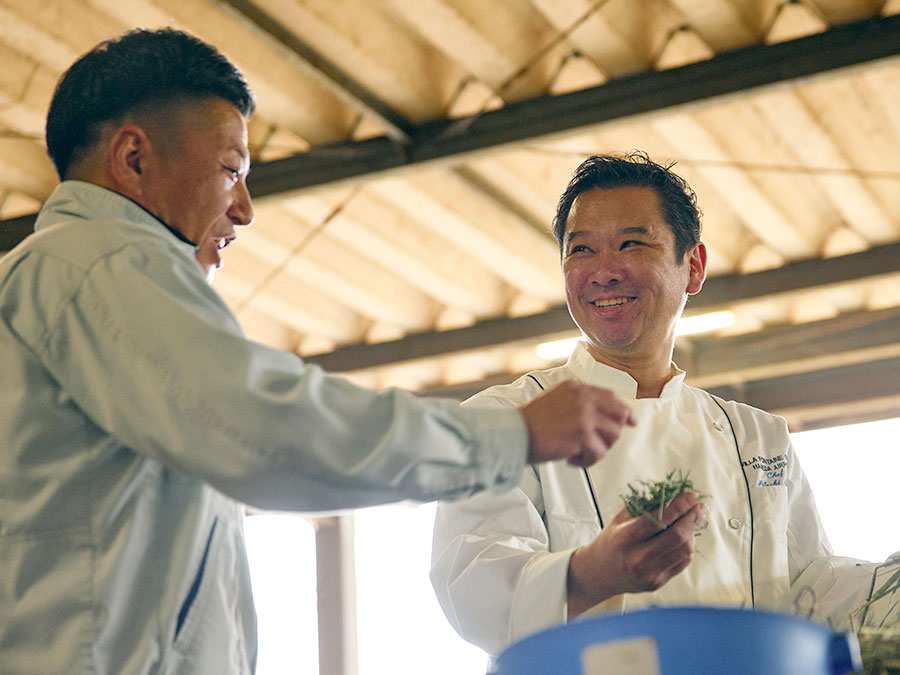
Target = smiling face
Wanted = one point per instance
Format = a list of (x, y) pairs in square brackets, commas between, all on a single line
[(624, 287), (196, 179), (209, 255)]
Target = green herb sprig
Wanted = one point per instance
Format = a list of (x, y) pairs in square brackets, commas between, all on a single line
[(652, 497), (889, 587)]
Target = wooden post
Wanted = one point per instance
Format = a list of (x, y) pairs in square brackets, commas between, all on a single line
[(336, 595)]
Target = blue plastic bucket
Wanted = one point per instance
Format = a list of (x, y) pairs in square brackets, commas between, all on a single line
[(684, 641)]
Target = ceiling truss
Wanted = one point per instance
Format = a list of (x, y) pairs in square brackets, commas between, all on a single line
[(773, 368)]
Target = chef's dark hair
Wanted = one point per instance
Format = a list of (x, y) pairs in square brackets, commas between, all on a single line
[(635, 169)]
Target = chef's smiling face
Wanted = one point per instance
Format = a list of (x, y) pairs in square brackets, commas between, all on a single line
[(624, 285)]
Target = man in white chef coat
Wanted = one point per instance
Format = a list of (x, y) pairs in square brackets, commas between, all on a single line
[(561, 545), (136, 418)]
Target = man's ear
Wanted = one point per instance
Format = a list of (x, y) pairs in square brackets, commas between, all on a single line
[(697, 264), (130, 155)]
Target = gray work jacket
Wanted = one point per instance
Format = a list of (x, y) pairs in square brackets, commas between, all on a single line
[(135, 418)]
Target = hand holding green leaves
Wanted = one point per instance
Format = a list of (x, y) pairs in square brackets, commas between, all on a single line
[(652, 497), (634, 555)]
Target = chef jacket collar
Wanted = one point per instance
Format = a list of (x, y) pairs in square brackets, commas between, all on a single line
[(590, 371)]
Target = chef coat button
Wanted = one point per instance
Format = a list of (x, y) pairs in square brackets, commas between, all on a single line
[(718, 426), (734, 523)]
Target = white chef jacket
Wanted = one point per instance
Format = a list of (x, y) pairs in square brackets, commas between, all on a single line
[(500, 562), (133, 415)]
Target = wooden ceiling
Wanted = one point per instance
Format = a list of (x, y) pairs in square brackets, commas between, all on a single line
[(408, 155)]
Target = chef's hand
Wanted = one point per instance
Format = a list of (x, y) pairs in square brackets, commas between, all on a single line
[(576, 422), (632, 555)]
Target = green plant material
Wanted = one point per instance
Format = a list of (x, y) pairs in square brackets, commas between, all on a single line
[(652, 497), (880, 651), (889, 587), (879, 644)]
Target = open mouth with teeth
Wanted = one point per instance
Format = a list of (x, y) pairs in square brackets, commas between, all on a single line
[(611, 302)]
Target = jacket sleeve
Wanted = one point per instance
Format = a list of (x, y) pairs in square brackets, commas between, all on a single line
[(829, 588), (492, 569), (153, 356)]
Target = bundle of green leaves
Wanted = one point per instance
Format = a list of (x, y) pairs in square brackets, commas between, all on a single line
[(651, 498)]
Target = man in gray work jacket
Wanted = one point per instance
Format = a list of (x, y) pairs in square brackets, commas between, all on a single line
[(135, 416)]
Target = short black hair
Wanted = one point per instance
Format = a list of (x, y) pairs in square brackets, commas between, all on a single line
[(677, 200), (138, 68)]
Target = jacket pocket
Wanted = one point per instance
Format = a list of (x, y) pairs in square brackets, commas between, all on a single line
[(194, 591)]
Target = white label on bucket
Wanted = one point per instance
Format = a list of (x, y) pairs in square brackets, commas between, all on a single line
[(637, 656)]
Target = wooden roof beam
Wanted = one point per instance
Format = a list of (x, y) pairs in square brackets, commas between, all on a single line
[(726, 73), (356, 281), (380, 231), (445, 139), (758, 212), (446, 205), (351, 91), (494, 57), (718, 293), (840, 395)]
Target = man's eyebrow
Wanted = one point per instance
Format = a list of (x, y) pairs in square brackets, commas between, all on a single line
[(245, 155), (637, 229)]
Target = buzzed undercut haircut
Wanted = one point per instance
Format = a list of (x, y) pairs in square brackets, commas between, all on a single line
[(140, 69), (677, 200)]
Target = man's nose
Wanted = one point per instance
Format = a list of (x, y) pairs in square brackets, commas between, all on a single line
[(241, 210), (606, 268)]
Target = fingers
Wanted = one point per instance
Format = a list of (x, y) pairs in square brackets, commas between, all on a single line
[(682, 530), (667, 553), (654, 523), (666, 565), (679, 511), (604, 425), (621, 517), (609, 425), (575, 422), (633, 555)]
